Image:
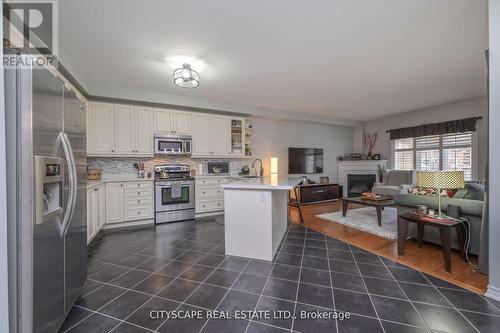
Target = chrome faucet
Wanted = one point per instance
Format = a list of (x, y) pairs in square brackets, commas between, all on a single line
[(261, 173)]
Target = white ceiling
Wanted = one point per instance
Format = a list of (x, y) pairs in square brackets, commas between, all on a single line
[(350, 59)]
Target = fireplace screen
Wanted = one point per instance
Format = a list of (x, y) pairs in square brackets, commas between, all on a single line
[(357, 184)]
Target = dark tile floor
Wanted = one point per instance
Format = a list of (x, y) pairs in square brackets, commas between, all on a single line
[(182, 266)]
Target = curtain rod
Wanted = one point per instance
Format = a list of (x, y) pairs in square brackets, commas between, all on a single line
[(477, 118)]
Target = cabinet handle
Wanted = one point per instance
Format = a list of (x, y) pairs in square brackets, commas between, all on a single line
[(112, 150), (139, 213), (203, 192), (95, 190), (203, 206), (121, 185), (138, 193), (138, 201)]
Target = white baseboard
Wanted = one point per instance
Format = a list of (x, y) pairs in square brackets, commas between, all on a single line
[(199, 215), (128, 224), (493, 292)]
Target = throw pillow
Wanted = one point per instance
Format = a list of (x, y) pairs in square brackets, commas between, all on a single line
[(476, 192), (461, 192), (431, 192)]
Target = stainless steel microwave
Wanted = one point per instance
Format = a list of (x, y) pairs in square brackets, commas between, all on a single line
[(173, 144)]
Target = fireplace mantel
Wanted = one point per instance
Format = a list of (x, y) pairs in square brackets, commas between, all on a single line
[(364, 167)]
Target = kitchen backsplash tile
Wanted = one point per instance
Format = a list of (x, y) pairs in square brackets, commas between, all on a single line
[(122, 166)]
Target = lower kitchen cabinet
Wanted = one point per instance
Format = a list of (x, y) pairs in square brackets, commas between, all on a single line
[(96, 211), (114, 202), (209, 195), (129, 201)]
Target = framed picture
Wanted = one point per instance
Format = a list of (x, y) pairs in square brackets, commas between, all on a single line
[(376, 156)]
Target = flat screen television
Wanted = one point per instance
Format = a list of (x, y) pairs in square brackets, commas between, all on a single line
[(305, 160)]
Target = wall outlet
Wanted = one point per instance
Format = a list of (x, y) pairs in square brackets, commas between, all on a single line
[(119, 165), (263, 197)]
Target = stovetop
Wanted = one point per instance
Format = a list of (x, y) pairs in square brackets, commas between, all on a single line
[(173, 172)]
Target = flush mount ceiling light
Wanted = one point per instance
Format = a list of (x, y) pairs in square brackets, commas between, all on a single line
[(185, 77)]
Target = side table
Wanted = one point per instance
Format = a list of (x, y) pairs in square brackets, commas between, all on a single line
[(444, 230)]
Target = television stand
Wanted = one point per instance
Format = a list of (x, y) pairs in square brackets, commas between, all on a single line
[(317, 193)]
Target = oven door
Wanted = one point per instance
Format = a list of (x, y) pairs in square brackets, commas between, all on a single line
[(175, 195), (169, 146)]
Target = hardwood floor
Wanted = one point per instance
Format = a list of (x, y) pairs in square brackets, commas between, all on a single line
[(428, 259)]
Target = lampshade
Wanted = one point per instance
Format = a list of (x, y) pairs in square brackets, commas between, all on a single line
[(274, 165), (185, 77), (441, 179)]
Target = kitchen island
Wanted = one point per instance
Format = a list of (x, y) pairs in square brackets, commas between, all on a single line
[(256, 215)]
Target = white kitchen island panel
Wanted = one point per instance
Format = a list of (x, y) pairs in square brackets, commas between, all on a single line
[(255, 217)]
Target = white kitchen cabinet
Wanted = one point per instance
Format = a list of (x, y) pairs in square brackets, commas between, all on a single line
[(119, 130), (90, 127), (182, 122), (202, 132), (103, 128), (209, 195), (124, 129), (143, 130), (129, 201), (163, 121), (172, 122), (221, 131), (91, 214), (96, 217), (211, 135), (114, 203)]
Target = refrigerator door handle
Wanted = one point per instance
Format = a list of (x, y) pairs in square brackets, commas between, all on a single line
[(72, 183)]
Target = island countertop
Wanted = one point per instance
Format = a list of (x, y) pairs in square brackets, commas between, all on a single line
[(264, 183)]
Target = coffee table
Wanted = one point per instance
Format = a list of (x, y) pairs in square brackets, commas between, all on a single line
[(378, 204)]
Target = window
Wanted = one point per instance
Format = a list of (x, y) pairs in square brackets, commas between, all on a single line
[(435, 152)]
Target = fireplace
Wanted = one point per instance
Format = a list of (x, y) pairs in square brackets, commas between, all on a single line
[(357, 184)]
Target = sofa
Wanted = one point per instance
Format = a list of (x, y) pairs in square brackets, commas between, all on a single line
[(394, 182), (471, 202)]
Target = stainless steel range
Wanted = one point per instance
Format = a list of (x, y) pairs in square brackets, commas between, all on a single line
[(174, 193)]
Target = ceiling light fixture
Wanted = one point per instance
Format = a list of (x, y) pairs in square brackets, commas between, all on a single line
[(185, 77)]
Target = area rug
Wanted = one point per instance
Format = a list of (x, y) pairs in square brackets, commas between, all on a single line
[(365, 219)]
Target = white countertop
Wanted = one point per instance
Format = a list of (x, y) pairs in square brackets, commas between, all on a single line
[(264, 183), (116, 179)]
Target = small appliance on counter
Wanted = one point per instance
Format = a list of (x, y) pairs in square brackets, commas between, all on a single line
[(245, 171), (217, 168), (94, 174), (174, 193), (140, 169)]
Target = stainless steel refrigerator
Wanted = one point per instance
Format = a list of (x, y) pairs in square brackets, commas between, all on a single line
[(47, 207)]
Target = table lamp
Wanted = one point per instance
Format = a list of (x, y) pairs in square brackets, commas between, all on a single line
[(440, 180)]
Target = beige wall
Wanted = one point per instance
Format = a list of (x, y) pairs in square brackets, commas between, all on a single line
[(271, 138), (458, 110)]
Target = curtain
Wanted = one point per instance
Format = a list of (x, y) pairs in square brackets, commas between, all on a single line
[(445, 127)]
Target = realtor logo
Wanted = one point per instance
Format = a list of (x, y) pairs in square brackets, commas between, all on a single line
[(31, 26)]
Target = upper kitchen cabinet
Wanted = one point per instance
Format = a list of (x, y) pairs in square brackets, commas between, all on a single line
[(202, 135), (214, 136), (102, 128), (143, 130), (119, 130), (172, 121), (124, 129)]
